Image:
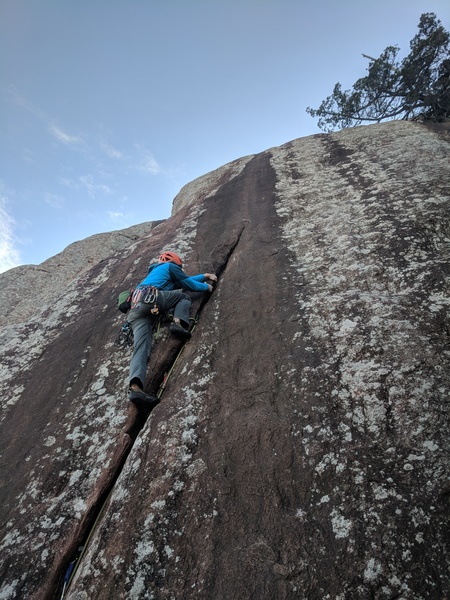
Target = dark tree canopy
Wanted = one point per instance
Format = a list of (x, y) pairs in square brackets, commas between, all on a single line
[(416, 87)]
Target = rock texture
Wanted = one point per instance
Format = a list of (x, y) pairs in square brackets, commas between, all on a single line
[(300, 450), (28, 287)]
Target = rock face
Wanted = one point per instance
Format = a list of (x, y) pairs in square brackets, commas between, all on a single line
[(51, 278), (300, 448)]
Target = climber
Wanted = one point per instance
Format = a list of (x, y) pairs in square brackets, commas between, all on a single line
[(159, 292)]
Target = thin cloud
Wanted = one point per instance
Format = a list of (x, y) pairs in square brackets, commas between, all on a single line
[(94, 188), (9, 254), (28, 155), (54, 200), (20, 101), (64, 137), (143, 160), (59, 134), (83, 182), (69, 183), (146, 162), (115, 217), (111, 152)]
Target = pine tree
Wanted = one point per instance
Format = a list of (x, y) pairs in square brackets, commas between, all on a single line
[(416, 87)]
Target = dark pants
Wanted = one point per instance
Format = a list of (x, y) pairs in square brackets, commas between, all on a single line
[(141, 320)]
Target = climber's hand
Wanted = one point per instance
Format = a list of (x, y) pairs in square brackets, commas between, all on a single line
[(210, 276)]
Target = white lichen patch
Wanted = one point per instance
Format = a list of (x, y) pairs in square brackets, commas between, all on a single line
[(196, 468), (341, 526), (373, 570), (360, 304)]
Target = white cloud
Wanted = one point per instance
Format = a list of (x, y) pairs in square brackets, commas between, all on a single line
[(9, 255), (116, 217), (57, 132), (64, 137), (85, 182), (23, 103), (94, 188), (111, 151), (146, 161), (69, 183)]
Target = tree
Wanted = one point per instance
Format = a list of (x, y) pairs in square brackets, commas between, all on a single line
[(416, 87)]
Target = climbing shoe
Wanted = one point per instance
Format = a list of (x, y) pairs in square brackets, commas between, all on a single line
[(140, 398), (180, 331)]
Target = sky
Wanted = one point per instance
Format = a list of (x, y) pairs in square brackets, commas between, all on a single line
[(109, 107)]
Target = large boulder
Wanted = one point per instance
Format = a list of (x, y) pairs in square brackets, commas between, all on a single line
[(299, 450)]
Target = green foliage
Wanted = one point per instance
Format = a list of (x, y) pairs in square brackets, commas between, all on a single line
[(416, 87)]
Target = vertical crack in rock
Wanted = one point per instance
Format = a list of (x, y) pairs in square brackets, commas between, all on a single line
[(132, 430)]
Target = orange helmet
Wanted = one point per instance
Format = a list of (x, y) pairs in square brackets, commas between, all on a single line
[(170, 257)]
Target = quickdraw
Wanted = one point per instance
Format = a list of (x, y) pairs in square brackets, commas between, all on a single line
[(125, 336), (145, 295)]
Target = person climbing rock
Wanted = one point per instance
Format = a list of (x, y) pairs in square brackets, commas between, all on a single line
[(161, 291)]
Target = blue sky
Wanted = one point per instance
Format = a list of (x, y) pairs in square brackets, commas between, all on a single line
[(108, 107)]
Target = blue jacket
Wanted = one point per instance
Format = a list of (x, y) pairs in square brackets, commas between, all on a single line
[(169, 276)]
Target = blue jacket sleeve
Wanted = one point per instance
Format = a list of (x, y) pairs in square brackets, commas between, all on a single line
[(194, 283)]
